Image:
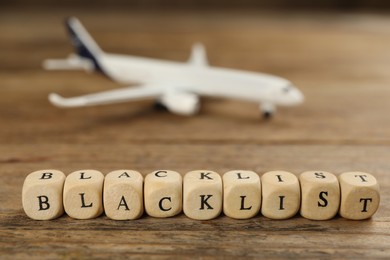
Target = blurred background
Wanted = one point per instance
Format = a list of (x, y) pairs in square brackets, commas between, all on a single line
[(335, 52), (216, 4)]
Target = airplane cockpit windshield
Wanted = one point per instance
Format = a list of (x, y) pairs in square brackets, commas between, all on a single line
[(286, 89)]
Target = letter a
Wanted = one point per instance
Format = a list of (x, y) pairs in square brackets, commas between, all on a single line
[(123, 203)]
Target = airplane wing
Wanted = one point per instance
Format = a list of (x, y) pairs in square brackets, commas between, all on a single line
[(108, 97), (177, 101)]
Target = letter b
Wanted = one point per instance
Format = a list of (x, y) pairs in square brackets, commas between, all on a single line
[(43, 202)]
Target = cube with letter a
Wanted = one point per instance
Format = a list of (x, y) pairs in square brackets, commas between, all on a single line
[(123, 195)]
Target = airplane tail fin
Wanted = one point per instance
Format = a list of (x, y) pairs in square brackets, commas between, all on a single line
[(83, 43)]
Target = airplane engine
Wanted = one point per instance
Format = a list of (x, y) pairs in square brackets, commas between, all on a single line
[(181, 103)]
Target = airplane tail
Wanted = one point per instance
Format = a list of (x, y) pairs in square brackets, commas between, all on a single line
[(83, 43)]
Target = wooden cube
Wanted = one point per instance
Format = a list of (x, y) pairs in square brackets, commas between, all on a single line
[(202, 194), (123, 195), (83, 193), (359, 195), (281, 195), (163, 193), (320, 195), (241, 194), (42, 194)]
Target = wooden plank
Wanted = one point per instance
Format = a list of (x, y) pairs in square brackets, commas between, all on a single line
[(148, 236)]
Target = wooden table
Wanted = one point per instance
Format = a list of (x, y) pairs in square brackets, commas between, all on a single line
[(341, 62)]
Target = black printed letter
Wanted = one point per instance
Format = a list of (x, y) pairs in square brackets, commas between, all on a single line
[(46, 175), (322, 197), (243, 202), (319, 175), (281, 202), (203, 202), (205, 175), (43, 202), (123, 175), (123, 203), (160, 204), (157, 174), (279, 178), (362, 177), (365, 200), (240, 177), (82, 177), (83, 201)]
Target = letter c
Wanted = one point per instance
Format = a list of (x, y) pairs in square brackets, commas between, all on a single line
[(157, 174), (160, 204)]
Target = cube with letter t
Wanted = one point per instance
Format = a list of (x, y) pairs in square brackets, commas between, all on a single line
[(359, 195)]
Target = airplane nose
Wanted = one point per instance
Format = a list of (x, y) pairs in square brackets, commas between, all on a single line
[(297, 96)]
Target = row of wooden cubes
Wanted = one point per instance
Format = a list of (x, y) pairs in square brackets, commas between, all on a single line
[(201, 194)]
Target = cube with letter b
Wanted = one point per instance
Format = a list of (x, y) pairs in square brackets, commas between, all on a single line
[(42, 194)]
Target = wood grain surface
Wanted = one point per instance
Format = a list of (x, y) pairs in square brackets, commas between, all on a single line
[(340, 61)]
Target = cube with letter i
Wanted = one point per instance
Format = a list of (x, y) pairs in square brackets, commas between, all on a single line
[(281, 194)]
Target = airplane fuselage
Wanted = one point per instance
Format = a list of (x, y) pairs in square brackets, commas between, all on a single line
[(200, 80)]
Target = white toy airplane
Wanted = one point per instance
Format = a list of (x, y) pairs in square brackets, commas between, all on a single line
[(175, 85)]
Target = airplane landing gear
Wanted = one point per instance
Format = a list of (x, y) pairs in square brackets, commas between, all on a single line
[(158, 106), (267, 110), (267, 115)]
